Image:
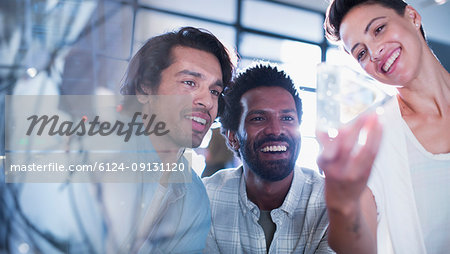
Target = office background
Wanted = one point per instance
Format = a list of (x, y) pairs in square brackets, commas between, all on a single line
[(83, 47)]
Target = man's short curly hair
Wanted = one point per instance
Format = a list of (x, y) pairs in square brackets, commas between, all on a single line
[(253, 77)]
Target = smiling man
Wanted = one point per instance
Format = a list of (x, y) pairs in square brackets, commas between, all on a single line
[(178, 77), (267, 205)]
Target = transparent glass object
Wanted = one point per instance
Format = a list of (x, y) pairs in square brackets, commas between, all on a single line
[(342, 95)]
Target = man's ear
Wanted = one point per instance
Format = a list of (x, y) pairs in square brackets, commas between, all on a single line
[(142, 93), (233, 142)]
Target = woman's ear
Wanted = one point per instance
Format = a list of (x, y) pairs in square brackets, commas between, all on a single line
[(413, 16), (233, 142)]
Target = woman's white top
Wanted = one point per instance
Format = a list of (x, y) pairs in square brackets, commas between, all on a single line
[(431, 184), (400, 221)]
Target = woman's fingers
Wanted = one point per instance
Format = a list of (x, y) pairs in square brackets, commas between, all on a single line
[(337, 151), (367, 148), (348, 158)]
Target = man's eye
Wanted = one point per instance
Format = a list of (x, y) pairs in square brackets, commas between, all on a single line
[(189, 83), (258, 118), (287, 118), (215, 92), (361, 55)]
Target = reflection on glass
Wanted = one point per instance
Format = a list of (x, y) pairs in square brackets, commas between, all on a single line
[(343, 95)]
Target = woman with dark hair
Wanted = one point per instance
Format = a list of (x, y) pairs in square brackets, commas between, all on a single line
[(395, 201)]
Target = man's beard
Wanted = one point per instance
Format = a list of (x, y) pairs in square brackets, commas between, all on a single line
[(274, 170)]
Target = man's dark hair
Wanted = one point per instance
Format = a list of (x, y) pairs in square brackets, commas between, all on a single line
[(339, 8), (147, 64), (253, 77)]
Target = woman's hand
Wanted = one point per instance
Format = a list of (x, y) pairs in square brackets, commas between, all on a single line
[(347, 161)]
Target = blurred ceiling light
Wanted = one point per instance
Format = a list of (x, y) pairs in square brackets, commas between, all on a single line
[(439, 2), (32, 72)]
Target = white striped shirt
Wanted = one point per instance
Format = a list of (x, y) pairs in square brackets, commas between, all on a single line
[(301, 221)]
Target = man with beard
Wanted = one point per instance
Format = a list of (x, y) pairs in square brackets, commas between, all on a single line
[(267, 205)]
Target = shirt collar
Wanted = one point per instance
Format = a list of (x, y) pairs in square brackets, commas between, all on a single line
[(246, 204), (293, 197), (290, 202)]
